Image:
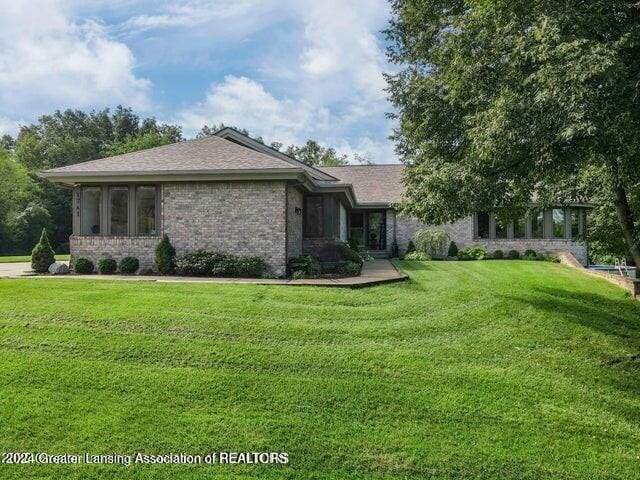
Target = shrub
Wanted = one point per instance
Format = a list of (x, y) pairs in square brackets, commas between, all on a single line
[(410, 247), (165, 256), (419, 256), (247, 266), (345, 252), (472, 253), (83, 266), (305, 266), (42, 255), (432, 241), (107, 266), (514, 254), (129, 265), (453, 250), (352, 269), (201, 264), (498, 255), (354, 244), (530, 254)]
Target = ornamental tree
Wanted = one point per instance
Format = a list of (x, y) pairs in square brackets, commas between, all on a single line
[(504, 103)]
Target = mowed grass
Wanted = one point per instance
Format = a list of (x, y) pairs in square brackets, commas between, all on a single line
[(27, 258), (470, 370)]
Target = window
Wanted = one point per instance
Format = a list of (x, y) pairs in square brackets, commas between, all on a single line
[(537, 224), (119, 210), (483, 225), (575, 223), (90, 213), (519, 228), (501, 228), (356, 228), (146, 210), (313, 216), (557, 215)]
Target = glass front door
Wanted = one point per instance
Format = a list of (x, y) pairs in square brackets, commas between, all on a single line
[(369, 229)]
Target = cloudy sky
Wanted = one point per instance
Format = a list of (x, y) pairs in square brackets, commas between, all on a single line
[(284, 69)]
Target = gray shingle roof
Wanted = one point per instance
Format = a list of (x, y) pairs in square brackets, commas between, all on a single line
[(209, 153), (371, 183)]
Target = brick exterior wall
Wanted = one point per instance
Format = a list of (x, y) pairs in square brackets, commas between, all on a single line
[(461, 232), (96, 247), (294, 222), (240, 218)]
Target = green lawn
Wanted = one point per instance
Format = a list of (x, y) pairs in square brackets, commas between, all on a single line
[(471, 370), (27, 258)]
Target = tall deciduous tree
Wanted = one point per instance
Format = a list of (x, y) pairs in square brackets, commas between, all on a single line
[(500, 102)]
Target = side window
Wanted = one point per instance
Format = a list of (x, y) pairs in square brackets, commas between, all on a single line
[(313, 216), (483, 225)]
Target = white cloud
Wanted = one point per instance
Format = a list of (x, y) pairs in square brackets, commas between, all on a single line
[(241, 102), (48, 62)]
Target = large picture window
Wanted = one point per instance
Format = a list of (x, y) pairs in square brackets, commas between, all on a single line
[(90, 213), (119, 210), (313, 216), (146, 210)]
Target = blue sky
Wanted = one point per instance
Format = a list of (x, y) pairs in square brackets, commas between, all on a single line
[(284, 69)]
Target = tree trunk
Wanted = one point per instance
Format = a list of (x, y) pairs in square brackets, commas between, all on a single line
[(626, 222)]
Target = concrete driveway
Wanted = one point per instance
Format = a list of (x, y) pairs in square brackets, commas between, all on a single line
[(15, 269)]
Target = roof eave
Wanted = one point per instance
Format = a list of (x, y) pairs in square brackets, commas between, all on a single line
[(71, 178)]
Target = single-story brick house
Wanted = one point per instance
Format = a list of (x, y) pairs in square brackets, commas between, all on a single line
[(230, 193)]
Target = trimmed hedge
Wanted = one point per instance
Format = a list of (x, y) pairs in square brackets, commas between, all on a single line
[(215, 264), (83, 266), (129, 265), (530, 254), (107, 266), (498, 255), (514, 254), (42, 255), (453, 250)]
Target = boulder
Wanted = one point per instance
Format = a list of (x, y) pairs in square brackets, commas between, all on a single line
[(58, 268)]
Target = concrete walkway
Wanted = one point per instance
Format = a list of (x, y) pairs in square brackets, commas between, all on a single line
[(374, 272)]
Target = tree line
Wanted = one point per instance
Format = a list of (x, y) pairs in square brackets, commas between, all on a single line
[(29, 203)]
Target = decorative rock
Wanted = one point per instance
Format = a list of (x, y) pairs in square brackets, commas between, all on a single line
[(58, 268)]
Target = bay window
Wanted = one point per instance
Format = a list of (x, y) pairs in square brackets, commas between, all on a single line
[(117, 210)]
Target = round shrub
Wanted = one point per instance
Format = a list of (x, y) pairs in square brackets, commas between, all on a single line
[(514, 254), (472, 253), (453, 250), (498, 255), (42, 255), (345, 252), (129, 265), (417, 256), (107, 266), (165, 256), (83, 266), (530, 254)]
